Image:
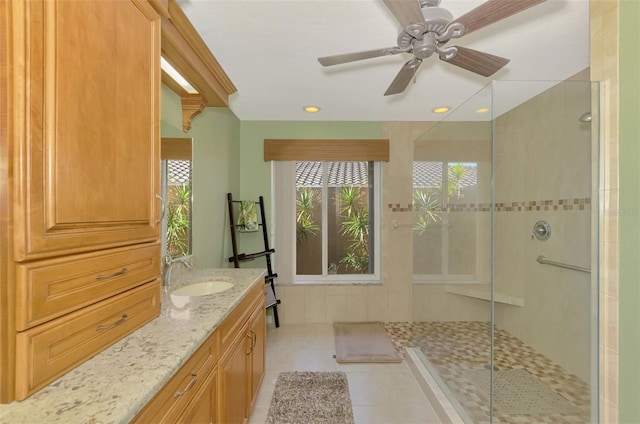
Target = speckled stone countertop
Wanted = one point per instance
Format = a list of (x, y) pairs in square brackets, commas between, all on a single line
[(113, 386)]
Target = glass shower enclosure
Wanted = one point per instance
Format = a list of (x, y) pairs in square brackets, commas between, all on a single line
[(505, 294)]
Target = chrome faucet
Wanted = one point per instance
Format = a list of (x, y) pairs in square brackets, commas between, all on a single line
[(168, 265)]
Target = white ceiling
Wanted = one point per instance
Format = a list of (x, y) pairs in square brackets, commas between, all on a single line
[(269, 49)]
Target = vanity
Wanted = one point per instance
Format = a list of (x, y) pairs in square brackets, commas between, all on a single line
[(201, 360), (87, 333)]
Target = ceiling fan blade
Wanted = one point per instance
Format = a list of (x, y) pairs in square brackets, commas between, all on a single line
[(407, 12), (402, 80), (481, 63), (352, 57), (493, 11)]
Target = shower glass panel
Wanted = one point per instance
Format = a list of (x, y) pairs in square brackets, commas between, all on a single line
[(507, 338), (452, 246)]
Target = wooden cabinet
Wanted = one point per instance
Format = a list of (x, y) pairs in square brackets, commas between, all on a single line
[(241, 367), (50, 288), (88, 169), (258, 331), (227, 392), (234, 382), (190, 395), (80, 175), (51, 349), (203, 408)]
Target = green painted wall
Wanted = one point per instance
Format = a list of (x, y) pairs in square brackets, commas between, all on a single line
[(216, 158), (629, 411), (255, 173)]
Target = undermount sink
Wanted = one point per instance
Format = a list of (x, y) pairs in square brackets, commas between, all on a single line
[(203, 288)]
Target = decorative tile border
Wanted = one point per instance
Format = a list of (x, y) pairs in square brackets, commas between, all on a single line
[(578, 204), (546, 205), (398, 208)]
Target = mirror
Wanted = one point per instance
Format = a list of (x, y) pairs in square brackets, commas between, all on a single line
[(176, 177)]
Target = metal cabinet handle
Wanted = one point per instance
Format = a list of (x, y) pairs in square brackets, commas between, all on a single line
[(248, 352), (163, 208), (115, 274), (115, 324), (189, 386), (254, 340)]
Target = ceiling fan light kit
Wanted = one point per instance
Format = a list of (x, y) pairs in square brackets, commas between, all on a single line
[(426, 28)]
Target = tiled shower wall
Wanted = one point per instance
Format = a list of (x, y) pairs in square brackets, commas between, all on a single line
[(543, 172)]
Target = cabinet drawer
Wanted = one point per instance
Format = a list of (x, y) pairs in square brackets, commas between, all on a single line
[(48, 351), (170, 402), (232, 324), (51, 288)]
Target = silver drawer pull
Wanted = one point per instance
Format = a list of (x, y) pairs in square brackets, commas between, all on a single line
[(115, 274), (189, 386), (115, 324)]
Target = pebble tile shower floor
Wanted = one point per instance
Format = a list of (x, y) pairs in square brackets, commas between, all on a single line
[(460, 349)]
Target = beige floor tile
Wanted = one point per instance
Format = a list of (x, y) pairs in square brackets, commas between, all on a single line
[(380, 393)]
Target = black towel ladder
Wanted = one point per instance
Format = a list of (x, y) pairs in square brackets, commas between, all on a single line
[(270, 290)]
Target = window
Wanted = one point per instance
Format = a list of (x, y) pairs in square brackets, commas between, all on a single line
[(444, 239), (335, 218), (176, 178)]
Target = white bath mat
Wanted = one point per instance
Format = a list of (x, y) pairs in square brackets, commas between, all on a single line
[(363, 342), (518, 392)]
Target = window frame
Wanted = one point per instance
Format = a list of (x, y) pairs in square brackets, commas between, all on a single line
[(444, 275), (288, 261)]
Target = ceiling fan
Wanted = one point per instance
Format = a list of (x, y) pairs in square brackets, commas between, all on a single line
[(427, 27)]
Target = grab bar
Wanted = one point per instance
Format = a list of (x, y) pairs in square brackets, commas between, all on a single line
[(543, 260)]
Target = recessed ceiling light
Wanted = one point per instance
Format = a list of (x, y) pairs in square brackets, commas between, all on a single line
[(482, 110), (441, 109), (311, 109)]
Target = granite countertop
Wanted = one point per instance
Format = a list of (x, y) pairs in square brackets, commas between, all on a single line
[(113, 386)]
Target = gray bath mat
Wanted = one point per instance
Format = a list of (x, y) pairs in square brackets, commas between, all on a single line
[(364, 342), (311, 397), (518, 392)]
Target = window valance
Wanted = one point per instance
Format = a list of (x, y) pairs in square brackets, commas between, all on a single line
[(175, 149), (326, 150)]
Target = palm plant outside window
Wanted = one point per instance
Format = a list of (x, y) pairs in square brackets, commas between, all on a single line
[(334, 218), (178, 208), (444, 195)]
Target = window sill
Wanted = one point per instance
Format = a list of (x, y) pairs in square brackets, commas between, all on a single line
[(333, 283)]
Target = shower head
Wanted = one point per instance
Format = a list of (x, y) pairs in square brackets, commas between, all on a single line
[(586, 117)]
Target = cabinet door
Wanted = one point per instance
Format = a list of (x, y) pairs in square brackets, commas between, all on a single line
[(202, 410), (234, 381), (258, 332), (88, 162)]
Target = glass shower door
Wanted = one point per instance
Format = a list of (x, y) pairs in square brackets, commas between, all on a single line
[(508, 334), (452, 172)]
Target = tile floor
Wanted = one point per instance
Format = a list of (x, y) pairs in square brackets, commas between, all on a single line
[(457, 349), (380, 393)]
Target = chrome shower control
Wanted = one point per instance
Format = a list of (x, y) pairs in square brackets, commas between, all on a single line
[(541, 230)]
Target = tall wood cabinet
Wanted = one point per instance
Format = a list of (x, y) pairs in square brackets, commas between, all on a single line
[(79, 160)]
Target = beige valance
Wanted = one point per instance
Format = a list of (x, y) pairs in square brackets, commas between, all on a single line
[(175, 149), (326, 150)]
